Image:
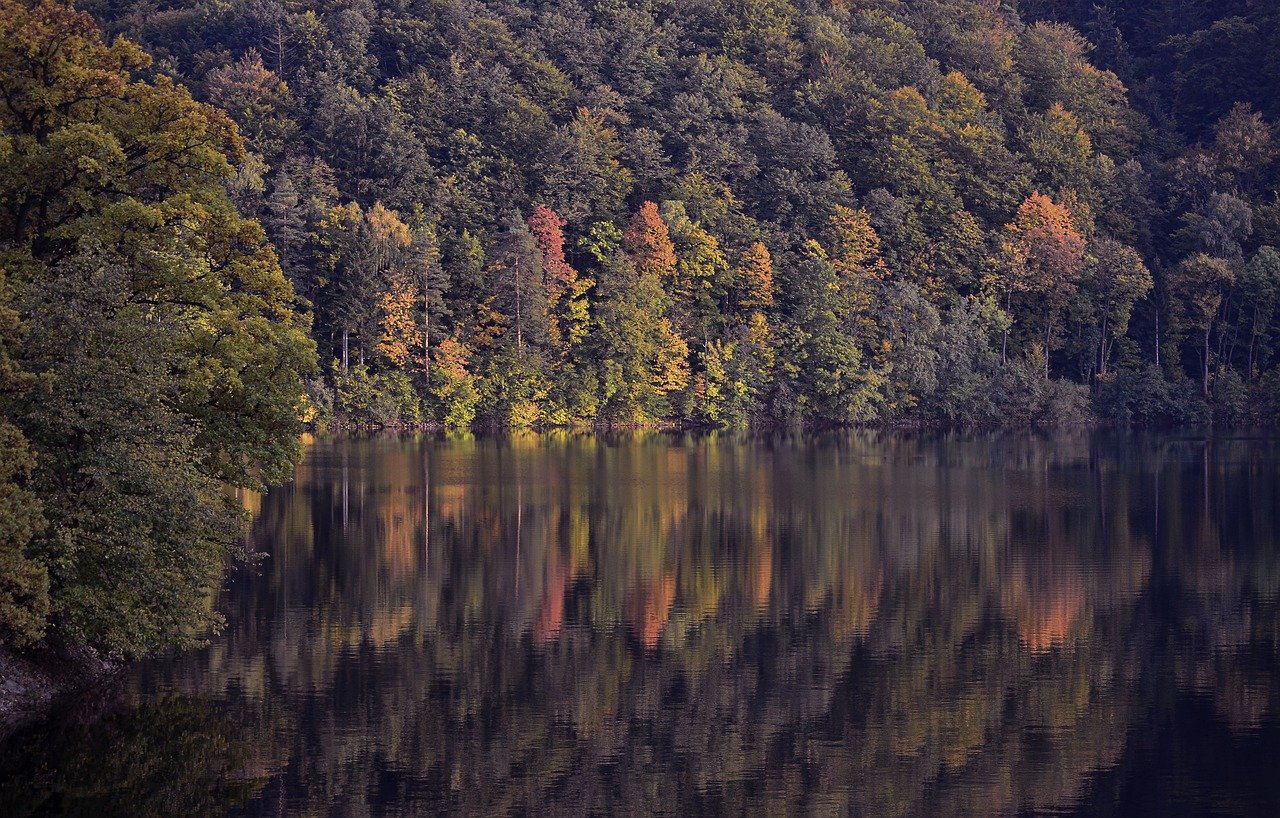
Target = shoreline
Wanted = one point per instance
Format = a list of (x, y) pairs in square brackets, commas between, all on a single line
[(32, 685), (1207, 429)]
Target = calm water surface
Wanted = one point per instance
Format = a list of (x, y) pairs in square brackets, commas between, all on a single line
[(862, 624)]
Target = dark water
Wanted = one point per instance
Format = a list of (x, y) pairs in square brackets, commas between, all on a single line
[(863, 624)]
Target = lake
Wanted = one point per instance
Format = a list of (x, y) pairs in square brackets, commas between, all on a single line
[(853, 624)]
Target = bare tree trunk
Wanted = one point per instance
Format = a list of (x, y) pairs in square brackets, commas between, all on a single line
[(279, 48), (1227, 348), (1048, 335), (519, 313), (1157, 337), (1004, 340), (1205, 359), (426, 336), (1253, 340), (1102, 349), (346, 348)]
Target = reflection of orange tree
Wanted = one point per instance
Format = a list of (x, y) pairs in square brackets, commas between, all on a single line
[(663, 625)]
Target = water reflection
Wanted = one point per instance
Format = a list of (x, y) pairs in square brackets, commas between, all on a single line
[(862, 624)]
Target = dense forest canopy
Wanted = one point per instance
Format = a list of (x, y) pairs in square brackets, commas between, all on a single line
[(150, 355), (730, 211)]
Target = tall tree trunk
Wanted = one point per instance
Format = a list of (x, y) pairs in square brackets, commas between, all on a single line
[(519, 314), (1048, 336), (1205, 360), (346, 348), (1004, 339), (1102, 349), (426, 336), (1157, 337), (1227, 348), (280, 48), (1253, 340)]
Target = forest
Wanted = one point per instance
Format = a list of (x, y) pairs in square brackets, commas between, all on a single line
[(220, 222), (709, 213)]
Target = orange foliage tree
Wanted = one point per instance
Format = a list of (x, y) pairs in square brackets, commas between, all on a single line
[(400, 337), (649, 244), (565, 290), (1042, 253)]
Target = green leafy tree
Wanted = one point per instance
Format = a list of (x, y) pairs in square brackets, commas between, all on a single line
[(822, 364), (157, 320), (24, 581), (644, 359), (1261, 280), (1115, 278), (1198, 285)]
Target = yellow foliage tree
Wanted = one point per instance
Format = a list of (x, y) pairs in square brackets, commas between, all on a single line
[(855, 256), (753, 278), (401, 338)]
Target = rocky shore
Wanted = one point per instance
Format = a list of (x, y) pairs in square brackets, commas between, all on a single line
[(31, 684)]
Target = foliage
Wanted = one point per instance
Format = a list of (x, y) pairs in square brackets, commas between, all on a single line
[(24, 582), (384, 399), (160, 332), (761, 213), (611, 229)]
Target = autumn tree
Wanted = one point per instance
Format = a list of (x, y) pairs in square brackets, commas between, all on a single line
[(453, 385), (753, 279), (401, 340), (156, 317), (1062, 151), (1042, 254), (760, 120), (565, 290), (855, 258), (644, 360), (647, 241), (1244, 143), (257, 99), (700, 283)]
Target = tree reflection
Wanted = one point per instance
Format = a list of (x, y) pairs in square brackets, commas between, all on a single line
[(864, 624)]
